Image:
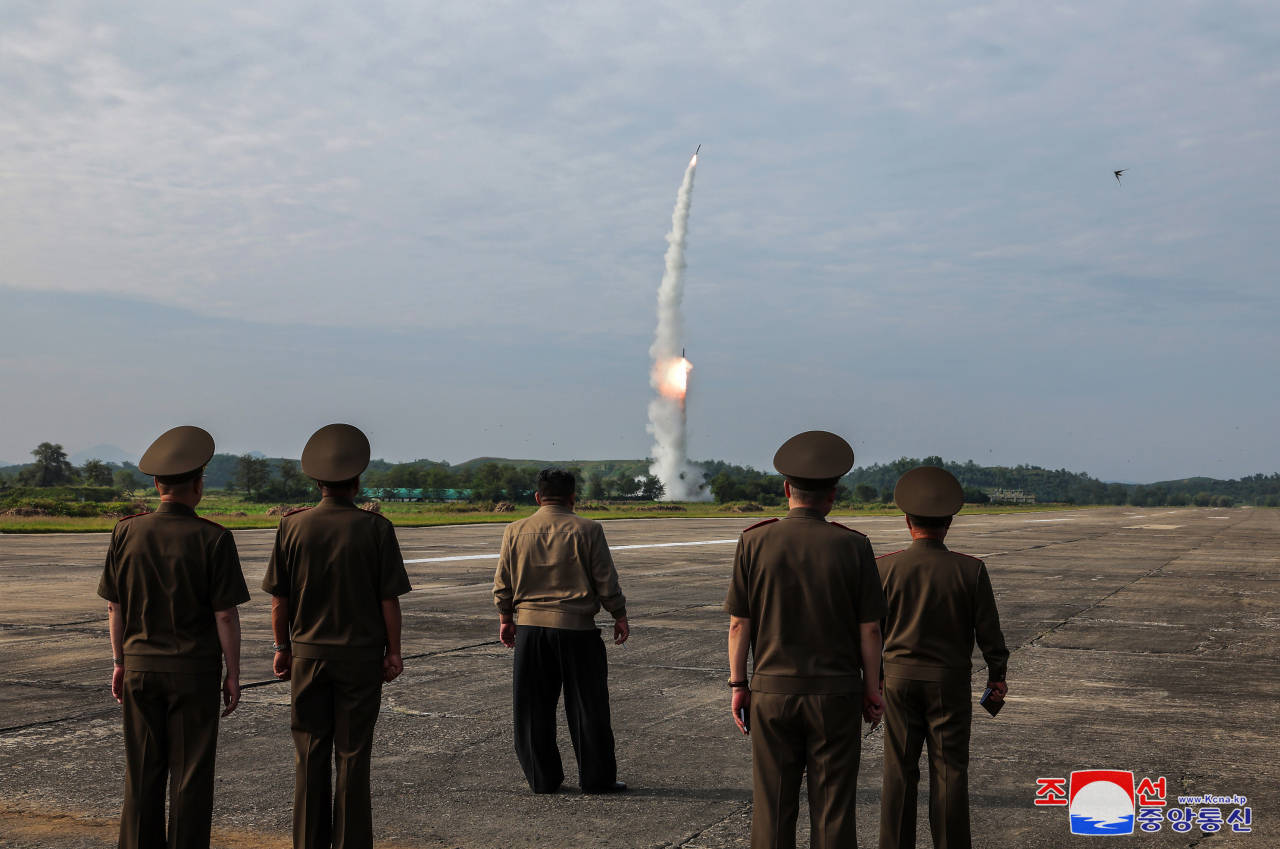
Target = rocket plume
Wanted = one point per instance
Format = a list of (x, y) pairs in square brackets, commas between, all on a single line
[(670, 374)]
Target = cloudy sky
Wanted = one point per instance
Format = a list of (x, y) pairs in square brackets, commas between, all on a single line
[(444, 222)]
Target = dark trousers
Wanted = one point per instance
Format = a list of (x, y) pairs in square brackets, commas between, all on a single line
[(789, 735), (939, 715), (547, 658), (335, 707), (170, 729)]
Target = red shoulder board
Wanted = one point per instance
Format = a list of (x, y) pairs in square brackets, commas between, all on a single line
[(760, 524), (966, 556), (131, 516), (210, 521), (847, 528), (890, 554), (295, 510)]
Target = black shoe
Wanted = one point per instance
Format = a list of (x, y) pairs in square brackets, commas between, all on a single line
[(615, 787)]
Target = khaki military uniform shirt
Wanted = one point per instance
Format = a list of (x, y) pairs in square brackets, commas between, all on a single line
[(938, 601), (556, 569), (805, 584), (336, 564), (169, 571)]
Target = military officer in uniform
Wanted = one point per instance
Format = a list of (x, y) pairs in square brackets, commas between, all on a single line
[(805, 599), (172, 582), (335, 579), (554, 575), (938, 601)]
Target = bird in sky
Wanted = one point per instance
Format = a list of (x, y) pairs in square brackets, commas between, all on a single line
[(1118, 173)]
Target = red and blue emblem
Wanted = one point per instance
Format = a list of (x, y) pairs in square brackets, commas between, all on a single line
[(1101, 801)]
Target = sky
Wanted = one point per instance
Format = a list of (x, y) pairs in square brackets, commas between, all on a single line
[(444, 223)]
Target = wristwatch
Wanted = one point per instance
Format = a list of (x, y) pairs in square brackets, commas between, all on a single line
[(734, 685), (285, 646)]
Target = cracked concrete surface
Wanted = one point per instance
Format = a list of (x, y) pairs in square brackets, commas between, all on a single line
[(1149, 647)]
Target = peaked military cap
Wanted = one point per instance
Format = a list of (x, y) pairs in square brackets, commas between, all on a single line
[(930, 492), (814, 460), (336, 452), (178, 455)]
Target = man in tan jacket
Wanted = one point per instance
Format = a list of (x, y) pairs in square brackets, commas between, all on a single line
[(554, 574)]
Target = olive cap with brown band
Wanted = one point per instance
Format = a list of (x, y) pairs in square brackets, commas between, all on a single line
[(336, 453), (179, 455), (929, 492), (814, 460)]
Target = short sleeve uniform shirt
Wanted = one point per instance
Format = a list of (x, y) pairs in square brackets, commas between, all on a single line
[(336, 564), (169, 571), (805, 584)]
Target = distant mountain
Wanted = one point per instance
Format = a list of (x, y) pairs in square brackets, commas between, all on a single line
[(257, 454), (3, 464), (105, 453)]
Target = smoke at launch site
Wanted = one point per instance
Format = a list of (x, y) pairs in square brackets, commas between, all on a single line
[(669, 377)]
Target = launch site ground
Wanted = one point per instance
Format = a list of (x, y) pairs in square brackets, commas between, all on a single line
[(1142, 639)]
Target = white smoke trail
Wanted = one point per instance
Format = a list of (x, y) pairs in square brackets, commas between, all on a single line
[(667, 420)]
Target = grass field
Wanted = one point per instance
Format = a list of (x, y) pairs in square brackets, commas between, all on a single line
[(225, 511)]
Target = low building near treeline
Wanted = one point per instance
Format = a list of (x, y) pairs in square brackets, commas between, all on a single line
[(1012, 496)]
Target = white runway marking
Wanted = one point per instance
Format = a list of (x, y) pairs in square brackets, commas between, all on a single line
[(494, 555)]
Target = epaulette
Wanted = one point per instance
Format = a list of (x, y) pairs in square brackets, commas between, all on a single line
[(131, 516), (760, 524), (295, 510), (966, 556), (210, 521), (847, 528), (890, 554)]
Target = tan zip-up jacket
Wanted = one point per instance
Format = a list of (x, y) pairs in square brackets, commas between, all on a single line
[(555, 571)]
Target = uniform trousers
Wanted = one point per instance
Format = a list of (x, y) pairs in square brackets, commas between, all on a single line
[(789, 735), (546, 659), (938, 714), (170, 729), (335, 707)]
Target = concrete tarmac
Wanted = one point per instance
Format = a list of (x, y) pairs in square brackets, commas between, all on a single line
[(1143, 640)]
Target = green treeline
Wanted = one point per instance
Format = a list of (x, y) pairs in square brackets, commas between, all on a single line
[(496, 479), (865, 484)]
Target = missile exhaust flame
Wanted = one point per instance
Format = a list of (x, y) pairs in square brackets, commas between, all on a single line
[(670, 374)]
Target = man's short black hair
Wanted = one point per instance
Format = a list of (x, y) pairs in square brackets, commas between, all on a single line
[(556, 483), (930, 521)]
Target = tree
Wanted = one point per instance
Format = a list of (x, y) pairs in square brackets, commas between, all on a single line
[(626, 485), (579, 479), (487, 485), (252, 474), (653, 489), (886, 494), (51, 468), (127, 481), (96, 473), (595, 486), (865, 493), (289, 474), (435, 481), (974, 495)]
